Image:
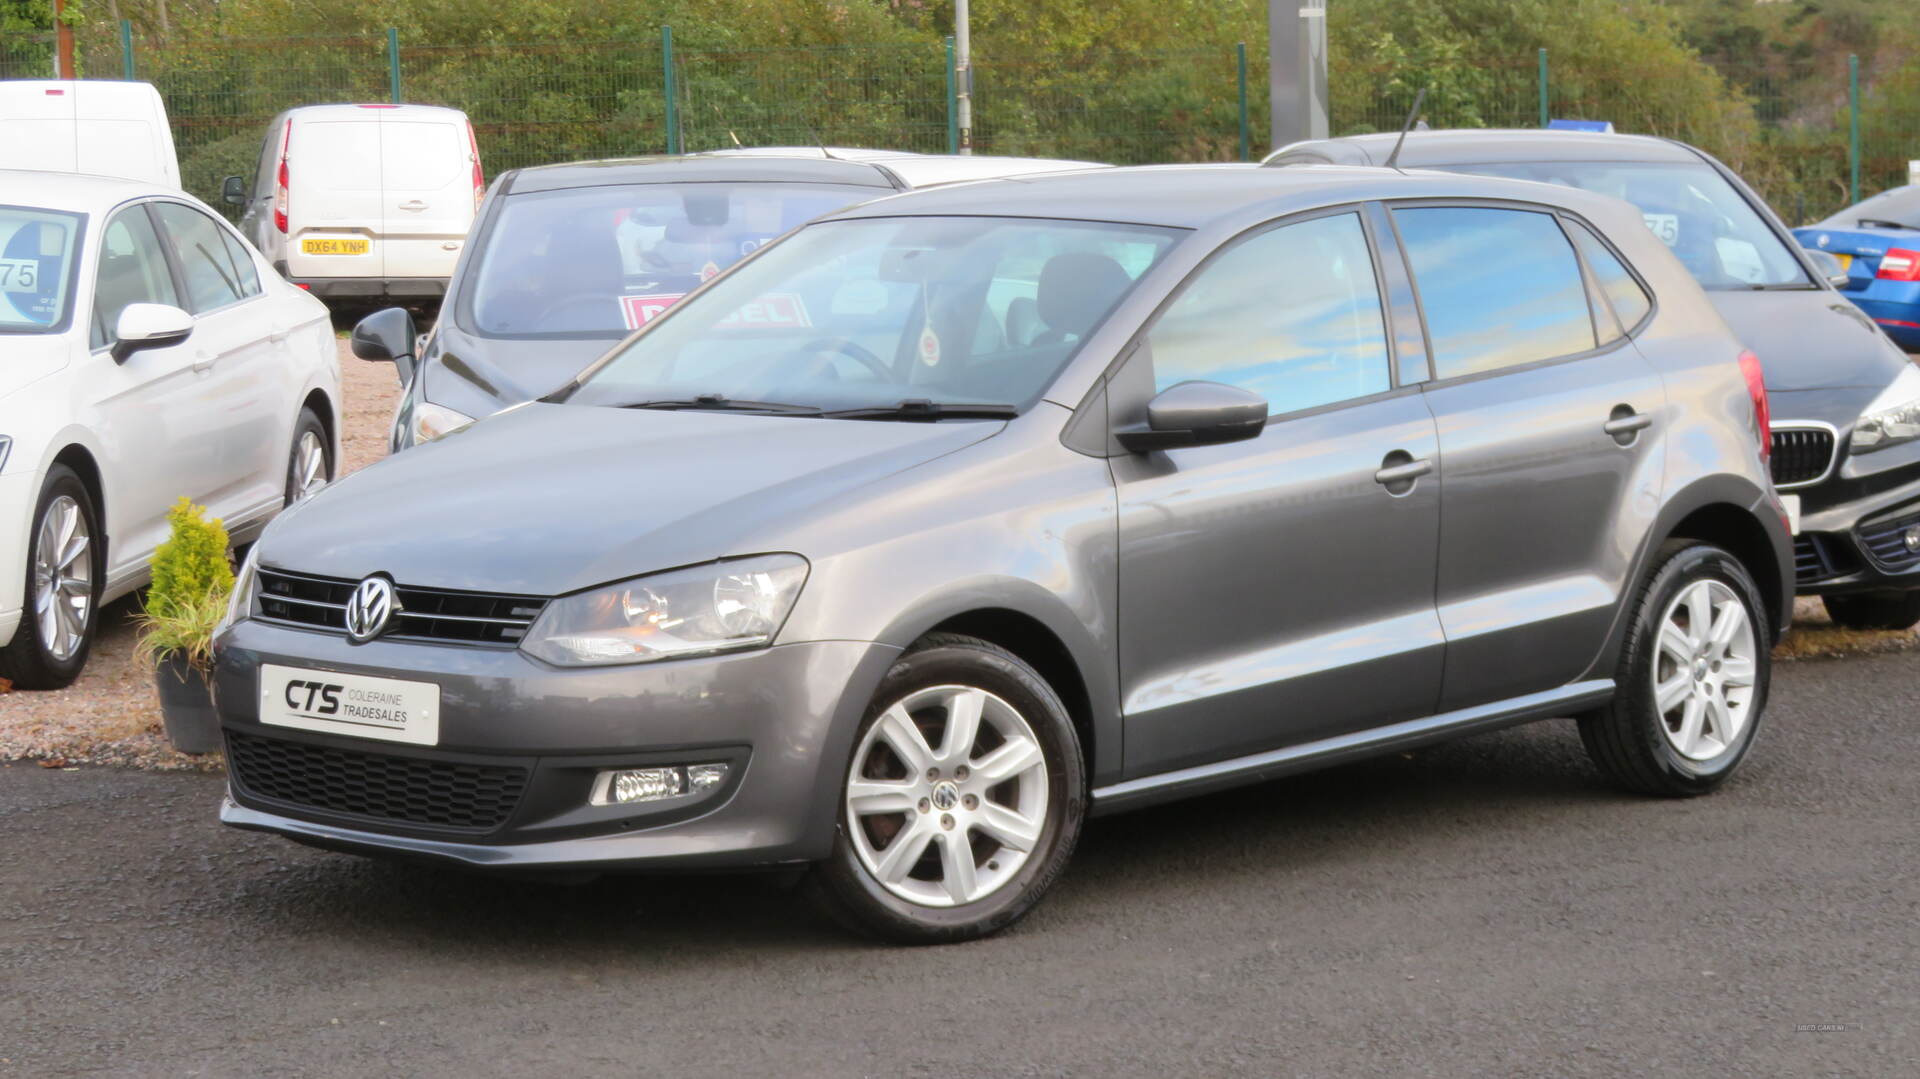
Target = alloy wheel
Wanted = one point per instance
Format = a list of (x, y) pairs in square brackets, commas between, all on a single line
[(63, 578), (1704, 670), (948, 796), (309, 467)]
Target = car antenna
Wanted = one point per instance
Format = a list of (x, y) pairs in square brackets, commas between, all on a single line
[(1412, 115), (824, 152)]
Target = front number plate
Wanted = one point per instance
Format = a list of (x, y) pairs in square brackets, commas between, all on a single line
[(350, 704)]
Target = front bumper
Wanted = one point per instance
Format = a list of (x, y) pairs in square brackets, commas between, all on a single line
[(1894, 306), (18, 493), (1848, 548), (526, 740)]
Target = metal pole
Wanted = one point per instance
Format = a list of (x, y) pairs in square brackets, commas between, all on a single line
[(673, 106), (126, 48), (1546, 115), (953, 106), (1853, 126), (963, 75), (1240, 65), (62, 42), (393, 62)]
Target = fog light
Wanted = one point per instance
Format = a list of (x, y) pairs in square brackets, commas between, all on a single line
[(630, 785)]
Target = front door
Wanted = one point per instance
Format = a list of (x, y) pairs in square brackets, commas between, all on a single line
[(1279, 590)]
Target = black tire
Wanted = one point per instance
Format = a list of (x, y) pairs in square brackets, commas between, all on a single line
[(27, 661), (853, 897), (1626, 736), (307, 424), (1874, 610)]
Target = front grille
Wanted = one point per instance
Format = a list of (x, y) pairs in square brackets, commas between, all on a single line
[(425, 614), (1817, 556), (1886, 541), (1801, 455), (407, 790)]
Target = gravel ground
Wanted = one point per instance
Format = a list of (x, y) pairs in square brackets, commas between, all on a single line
[(110, 716)]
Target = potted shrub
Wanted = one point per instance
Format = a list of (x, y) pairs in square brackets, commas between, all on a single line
[(192, 578)]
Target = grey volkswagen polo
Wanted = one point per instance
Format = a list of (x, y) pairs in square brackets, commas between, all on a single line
[(953, 518)]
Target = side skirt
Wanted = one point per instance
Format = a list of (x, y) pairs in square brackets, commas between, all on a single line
[(1221, 775)]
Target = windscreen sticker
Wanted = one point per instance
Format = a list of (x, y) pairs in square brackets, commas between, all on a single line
[(640, 310), (19, 275), (775, 309), (1665, 226)]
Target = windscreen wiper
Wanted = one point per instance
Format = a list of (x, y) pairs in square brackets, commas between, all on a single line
[(714, 402), (1880, 223), (919, 408)]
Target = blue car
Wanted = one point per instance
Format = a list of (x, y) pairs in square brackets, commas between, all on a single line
[(1878, 243)]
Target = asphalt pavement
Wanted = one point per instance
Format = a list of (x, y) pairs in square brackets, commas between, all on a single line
[(1489, 907)]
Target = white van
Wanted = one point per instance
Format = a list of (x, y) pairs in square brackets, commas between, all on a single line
[(95, 126), (352, 201)]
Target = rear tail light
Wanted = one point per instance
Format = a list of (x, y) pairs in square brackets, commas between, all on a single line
[(281, 198), (479, 177), (1757, 391), (1899, 264)]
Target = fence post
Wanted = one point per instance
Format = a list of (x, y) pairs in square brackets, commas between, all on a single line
[(1546, 116), (1853, 127), (953, 104), (126, 48), (673, 107), (393, 62), (1240, 66)]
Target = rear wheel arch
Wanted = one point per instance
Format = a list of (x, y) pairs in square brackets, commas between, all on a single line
[(1734, 530)]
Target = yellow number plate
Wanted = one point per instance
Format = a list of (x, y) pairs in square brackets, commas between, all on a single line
[(333, 245), (1846, 261)]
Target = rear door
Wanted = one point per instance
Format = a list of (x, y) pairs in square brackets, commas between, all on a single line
[(334, 204), (1551, 430), (427, 193)]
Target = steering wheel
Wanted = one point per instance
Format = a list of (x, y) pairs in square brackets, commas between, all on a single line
[(853, 350)]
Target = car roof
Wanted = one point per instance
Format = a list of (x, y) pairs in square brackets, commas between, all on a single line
[(360, 110), (1425, 149), (78, 192), (887, 170), (1193, 196)]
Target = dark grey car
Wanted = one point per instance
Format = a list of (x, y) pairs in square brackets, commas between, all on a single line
[(1845, 450), (1065, 495)]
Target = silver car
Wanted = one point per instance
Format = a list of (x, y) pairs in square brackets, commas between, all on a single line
[(917, 537)]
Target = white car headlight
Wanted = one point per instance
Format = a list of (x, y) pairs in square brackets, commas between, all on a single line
[(431, 421), (240, 602), (718, 607), (1893, 417)]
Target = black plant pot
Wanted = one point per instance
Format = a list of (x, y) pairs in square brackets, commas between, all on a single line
[(186, 706)]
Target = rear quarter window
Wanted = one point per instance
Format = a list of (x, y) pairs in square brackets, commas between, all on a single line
[(1623, 292)]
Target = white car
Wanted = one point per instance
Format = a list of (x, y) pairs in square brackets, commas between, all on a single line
[(146, 353)]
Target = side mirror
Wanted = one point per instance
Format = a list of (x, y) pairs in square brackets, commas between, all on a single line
[(387, 334), (1828, 266), (149, 325), (1197, 414), (234, 189)]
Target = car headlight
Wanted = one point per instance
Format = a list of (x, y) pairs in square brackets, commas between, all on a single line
[(1893, 417), (431, 421), (718, 607), (240, 602)]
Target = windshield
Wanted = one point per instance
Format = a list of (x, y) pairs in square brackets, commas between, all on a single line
[(870, 313), (36, 256), (603, 260), (1712, 230), (1899, 206)]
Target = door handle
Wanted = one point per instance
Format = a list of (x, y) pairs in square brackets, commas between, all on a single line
[(203, 363), (1399, 469), (413, 204), (1626, 424)]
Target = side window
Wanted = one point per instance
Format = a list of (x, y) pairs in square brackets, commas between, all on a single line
[(246, 276), (206, 265), (1292, 314), (1498, 287), (1629, 300), (132, 270)]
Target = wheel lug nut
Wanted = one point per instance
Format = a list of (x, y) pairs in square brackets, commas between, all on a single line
[(961, 772), (946, 821), (970, 802), (925, 805), (933, 774)]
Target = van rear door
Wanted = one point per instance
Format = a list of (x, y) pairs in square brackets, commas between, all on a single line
[(428, 193), (333, 197), (104, 128)]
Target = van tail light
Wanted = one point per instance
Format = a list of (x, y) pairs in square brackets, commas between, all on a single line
[(281, 199), (1899, 264), (479, 176), (1757, 391)]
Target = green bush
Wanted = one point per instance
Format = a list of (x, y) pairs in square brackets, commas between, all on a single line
[(192, 578)]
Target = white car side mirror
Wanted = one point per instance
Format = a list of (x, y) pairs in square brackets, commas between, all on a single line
[(149, 325)]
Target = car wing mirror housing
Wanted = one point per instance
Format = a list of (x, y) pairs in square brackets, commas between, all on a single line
[(1197, 414), (148, 325), (234, 189), (1828, 266), (387, 334)]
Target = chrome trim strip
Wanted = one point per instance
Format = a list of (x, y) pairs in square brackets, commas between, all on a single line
[(303, 602), (521, 622), (1833, 459), (1252, 769)]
